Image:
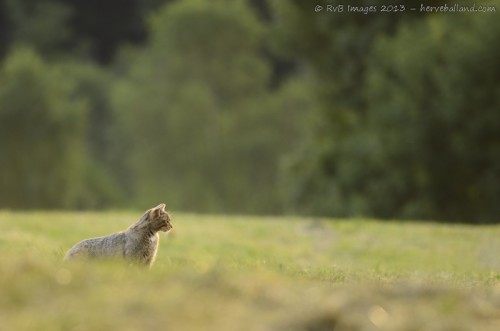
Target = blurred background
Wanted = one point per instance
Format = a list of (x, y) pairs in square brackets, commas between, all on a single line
[(250, 107)]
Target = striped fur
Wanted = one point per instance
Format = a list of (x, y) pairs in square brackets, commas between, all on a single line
[(138, 244)]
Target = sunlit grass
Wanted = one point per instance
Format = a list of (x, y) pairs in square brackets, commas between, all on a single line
[(252, 273)]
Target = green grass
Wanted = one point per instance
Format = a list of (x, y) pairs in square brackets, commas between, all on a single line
[(251, 273)]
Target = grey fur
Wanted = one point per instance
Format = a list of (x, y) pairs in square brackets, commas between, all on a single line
[(138, 244)]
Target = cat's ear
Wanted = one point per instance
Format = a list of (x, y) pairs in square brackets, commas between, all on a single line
[(156, 211)]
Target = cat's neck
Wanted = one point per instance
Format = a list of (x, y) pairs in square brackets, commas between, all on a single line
[(142, 227)]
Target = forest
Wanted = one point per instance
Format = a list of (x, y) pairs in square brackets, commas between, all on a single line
[(251, 107)]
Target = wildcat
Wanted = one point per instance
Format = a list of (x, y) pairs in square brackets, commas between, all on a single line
[(138, 244)]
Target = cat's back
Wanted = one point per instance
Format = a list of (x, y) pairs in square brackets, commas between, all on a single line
[(107, 246)]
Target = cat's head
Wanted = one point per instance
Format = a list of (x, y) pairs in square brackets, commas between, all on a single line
[(159, 218)]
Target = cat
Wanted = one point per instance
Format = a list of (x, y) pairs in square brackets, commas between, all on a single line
[(137, 245)]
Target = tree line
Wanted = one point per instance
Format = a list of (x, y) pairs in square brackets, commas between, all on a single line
[(249, 107)]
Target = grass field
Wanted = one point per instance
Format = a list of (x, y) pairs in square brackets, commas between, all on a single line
[(250, 273)]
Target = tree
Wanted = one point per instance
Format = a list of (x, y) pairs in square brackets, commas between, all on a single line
[(42, 128), (334, 48), (205, 133), (103, 170), (399, 127), (435, 112), (40, 24), (101, 28)]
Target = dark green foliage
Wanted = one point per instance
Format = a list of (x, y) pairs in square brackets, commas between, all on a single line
[(435, 113), (88, 29), (203, 131), (250, 106), (101, 27), (42, 127), (41, 24), (102, 170), (409, 118)]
